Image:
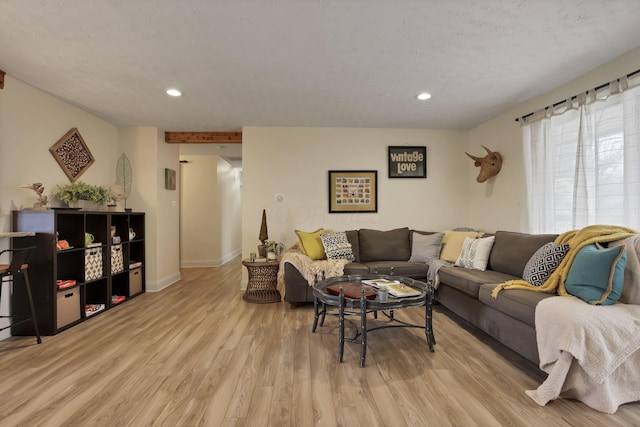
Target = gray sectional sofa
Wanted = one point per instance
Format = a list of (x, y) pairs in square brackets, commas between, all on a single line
[(510, 318)]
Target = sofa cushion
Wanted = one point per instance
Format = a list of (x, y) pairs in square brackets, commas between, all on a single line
[(312, 244), (352, 237), (475, 253), (452, 243), (392, 245), (425, 247), (511, 250), (469, 281), (544, 262), (415, 270), (336, 245), (597, 274), (517, 303), (355, 268)]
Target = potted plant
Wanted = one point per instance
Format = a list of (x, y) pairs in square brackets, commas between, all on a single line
[(273, 249), (76, 191)]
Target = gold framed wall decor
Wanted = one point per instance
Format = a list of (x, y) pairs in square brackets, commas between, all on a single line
[(353, 191), (72, 154)]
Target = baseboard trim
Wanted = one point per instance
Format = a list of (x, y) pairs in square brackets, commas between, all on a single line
[(159, 285), (210, 263)]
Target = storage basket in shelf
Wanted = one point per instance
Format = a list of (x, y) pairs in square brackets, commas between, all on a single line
[(92, 263), (117, 260)]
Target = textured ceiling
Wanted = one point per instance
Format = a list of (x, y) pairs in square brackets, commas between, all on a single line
[(343, 63)]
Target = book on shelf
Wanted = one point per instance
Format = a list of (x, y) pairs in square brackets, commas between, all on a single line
[(117, 299), (65, 284), (135, 264), (352, 290), (91, 309), (395, 287)]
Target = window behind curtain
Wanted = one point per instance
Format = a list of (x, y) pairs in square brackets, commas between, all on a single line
[(583, 165)]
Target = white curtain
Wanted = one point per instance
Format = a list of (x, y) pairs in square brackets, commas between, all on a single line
[(582, 161)]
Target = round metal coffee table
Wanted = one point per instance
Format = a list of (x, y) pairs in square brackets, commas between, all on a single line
[(362, 306)]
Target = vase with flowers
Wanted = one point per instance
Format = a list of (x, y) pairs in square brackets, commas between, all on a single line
[(273, 249)]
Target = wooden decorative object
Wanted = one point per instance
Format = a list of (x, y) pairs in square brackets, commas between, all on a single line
[(203, 137), (72, 154), (1, 79)]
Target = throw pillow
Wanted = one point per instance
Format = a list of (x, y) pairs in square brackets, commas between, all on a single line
[(543, 262), (475, 253), (597, 274), (312, 243), (425, 247), (631, 287), (337, 246), (452, 244)]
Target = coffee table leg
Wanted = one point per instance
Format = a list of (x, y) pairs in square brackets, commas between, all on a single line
[(316, 314), (323, 313), (340, 325), (363, 329), (428, 325)]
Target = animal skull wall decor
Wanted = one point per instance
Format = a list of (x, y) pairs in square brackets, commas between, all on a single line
[(489, 165)]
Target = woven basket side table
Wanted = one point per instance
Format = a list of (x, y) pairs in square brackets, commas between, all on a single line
[(262, 287)]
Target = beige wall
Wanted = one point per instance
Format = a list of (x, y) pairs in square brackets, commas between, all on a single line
[(295, 162), (210, 211), (149, 156), (31, 122), (499, 204)]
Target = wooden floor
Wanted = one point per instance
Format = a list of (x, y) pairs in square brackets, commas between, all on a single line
[(197, 354)]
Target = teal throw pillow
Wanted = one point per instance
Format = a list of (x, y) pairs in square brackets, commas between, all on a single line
[(597, 274)]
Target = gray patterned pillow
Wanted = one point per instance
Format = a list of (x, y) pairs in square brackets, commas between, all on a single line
[(336, 245), (544, 262)]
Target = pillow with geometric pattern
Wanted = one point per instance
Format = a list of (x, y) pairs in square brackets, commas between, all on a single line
[(544, 262), (336, 245)]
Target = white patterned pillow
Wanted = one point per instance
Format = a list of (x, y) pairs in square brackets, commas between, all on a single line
[(337, 246), (475, 253), (544, 262)]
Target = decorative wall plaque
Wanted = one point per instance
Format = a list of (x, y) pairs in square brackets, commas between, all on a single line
[(72, 154)]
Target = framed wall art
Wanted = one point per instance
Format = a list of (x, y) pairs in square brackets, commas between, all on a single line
[(169, 179), (353, 191), (72, 154), (407, 162)]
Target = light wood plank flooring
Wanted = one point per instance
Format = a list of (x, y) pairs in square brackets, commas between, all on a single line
[(197, 354)]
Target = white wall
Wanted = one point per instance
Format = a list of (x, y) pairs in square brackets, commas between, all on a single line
[(31, 122), (149, 156), (229, 210), (210, 211), (295, 162), (499, 204)]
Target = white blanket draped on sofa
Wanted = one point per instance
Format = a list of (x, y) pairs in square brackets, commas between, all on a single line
[(307, 267), (591, 353)]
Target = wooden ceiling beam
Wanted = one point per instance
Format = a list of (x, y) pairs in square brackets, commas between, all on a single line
[(203, 137), (1, 79)]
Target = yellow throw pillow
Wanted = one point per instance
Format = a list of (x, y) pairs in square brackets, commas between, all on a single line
[(452, 243), (312, 243)]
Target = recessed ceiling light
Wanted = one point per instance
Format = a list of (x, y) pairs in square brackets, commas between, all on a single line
[(423, 96), (174, 92)]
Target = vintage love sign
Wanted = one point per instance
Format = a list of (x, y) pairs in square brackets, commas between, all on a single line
[(407, 162)]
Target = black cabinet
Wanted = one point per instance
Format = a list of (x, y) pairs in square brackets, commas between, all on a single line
[(79, 269)]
